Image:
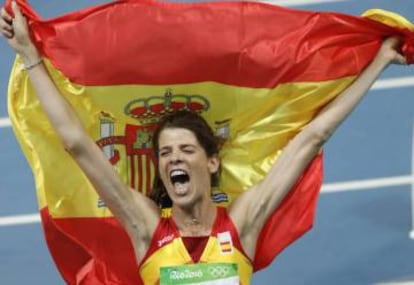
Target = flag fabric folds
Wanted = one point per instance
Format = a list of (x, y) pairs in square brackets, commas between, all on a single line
[(258, 73)]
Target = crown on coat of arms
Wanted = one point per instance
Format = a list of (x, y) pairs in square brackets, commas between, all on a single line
[(153, 109)]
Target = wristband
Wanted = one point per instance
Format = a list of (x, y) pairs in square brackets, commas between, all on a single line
[(34, 64)]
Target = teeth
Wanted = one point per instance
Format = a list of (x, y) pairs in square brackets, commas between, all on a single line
[(177, 172), (179, 177)]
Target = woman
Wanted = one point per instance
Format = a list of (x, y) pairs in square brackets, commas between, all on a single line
[(195, 239)]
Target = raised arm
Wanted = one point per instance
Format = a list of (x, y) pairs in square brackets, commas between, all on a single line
[(302, 149), (138, 214)]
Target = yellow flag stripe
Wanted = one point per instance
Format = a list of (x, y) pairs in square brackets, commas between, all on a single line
[(248, 118)]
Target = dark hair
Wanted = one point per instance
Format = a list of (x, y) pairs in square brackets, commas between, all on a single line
[(205, 137)]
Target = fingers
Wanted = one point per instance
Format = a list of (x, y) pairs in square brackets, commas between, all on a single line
[(6, 23), (19, 19), (5, 16), (15, 30), (400, 59), (395, 44), (16, 10), (392, 42), (14, 26), (390, 51)]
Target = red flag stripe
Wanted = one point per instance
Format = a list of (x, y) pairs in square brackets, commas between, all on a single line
[(240, 44), (91, 244)]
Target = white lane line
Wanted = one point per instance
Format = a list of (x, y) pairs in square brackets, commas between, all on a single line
[(397, 283), (411, 234), (391, 83), (367, 184), (299, 2), (5, 122), (19, 220), (326, 188)]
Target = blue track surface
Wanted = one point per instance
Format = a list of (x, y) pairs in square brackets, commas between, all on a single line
[(360, 237)]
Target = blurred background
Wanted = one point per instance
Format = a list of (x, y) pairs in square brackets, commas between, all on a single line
[(361, 232)]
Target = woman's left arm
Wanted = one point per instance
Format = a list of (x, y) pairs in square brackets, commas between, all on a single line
[(251, 210)]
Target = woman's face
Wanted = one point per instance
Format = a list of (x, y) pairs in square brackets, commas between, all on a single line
[(184, 166)]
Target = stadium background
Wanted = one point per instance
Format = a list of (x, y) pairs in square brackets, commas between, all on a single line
[(361, 232)]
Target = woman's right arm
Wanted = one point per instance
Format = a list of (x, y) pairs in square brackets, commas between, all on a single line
[(138, 214)]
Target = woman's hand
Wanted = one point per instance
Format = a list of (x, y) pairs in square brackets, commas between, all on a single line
[(389, 51), (16, 31)]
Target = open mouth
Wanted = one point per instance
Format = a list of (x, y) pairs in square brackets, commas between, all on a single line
[(179, 176)]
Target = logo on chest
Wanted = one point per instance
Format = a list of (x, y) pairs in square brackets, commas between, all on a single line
[(165, 240), (225, 243)]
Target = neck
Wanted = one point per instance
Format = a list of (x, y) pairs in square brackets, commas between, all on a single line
[(195, 221)]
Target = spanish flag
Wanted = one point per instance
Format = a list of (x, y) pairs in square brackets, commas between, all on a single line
[(258, 73)]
